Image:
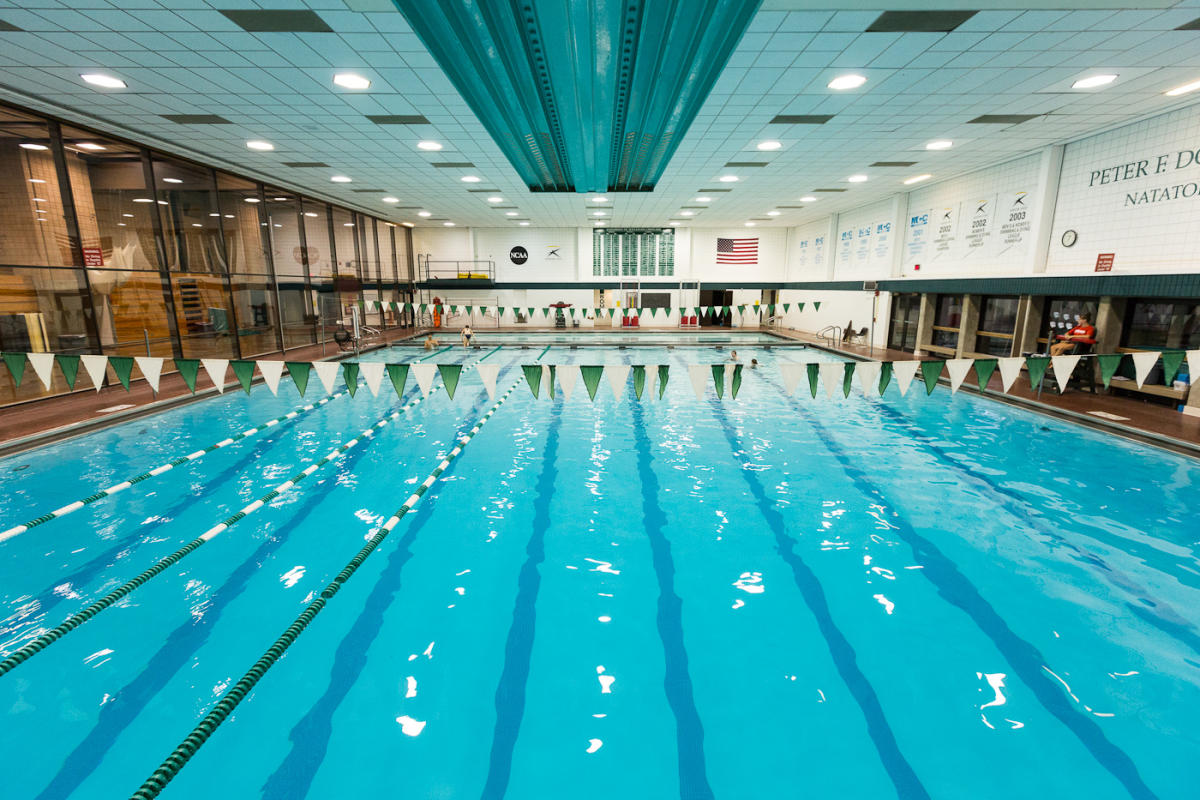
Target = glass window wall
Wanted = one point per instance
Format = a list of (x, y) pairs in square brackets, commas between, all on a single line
[(35, 223), (997, 325)]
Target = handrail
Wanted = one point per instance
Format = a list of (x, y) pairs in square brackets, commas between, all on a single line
[(483, 269), (831, 332)]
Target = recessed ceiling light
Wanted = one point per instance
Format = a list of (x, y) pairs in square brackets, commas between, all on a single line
[(120, 224), (703, 199), (348, 80), (1187, 87), (277, 225), (259, 144), (424, 214), (105, 81), (511, 214), (39, 211), (917, 179), (310, 213), (774, 213), (495, 199), (407, 224), (769, 145), (251, 199), (940, 144), (172, 180), (429, 146), (523, 224), (197, 225), (448, 224), (213, 214), (347, 224), (600, 199), (597, 213), (32, 146), (131, 215), (142, 200), (163, 202), (857, 178), (39, 199), (751, 224), (90, 146), (687, 213), (470, 179), (601, 222), (391, 199), (808, 199), (1093, 81), (340, 179), (36, 180), (229, 216), (279, 199), (847, 82), (728, 178), (675, 223)]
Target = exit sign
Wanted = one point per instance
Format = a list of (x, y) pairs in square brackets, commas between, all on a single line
[(1104, 262)]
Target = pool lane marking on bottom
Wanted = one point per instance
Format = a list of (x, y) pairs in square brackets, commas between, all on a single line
[(72, 622), (1024, 658), (903, 776), (16, 530), (175, 762)]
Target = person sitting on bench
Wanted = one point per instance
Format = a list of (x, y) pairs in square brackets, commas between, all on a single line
[(1083, 333)]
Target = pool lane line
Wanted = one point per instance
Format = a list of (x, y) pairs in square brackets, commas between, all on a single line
[(167, 467), (72, 622), (1024, 658), (908, 785), (175, 762)]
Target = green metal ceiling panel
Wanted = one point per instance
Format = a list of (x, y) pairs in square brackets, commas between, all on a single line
[(583, 95)]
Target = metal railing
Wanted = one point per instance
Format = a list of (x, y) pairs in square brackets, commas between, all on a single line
[(430, 270), (832, 333)]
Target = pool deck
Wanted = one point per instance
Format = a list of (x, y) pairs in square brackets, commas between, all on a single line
[(36, 422)]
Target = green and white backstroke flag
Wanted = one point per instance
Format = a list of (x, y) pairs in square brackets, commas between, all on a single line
[(272, 372), (905, 371), (488, 374), (868, 376), (568, 374)]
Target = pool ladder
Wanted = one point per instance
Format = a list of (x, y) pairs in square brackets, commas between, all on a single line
[(832, 333)]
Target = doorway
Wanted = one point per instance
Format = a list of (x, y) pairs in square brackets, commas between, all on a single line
[(902, 329), (718, 297)]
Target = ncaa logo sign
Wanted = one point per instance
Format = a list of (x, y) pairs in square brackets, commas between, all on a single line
[(518, 255)]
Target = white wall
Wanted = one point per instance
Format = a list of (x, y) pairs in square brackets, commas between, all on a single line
[(703, 266), (553, 254), (864, 242), (837, 308)]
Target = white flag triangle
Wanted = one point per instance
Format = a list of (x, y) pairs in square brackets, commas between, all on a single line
[(547, 381), (832, 374), (1063, 366), (704, 310), (372, 372), (904, 372), (618, 375), (271, 372), (698, 373), (95, 366), (1193, 362), (728, 376), (488, 373), (567, 375), (793, 373), (868, 376), (151, 368), (215, 368), (43, 367), (651, 377), (424, 374), (958, 369), (1010, 370), (327, 372), (1143, 362)]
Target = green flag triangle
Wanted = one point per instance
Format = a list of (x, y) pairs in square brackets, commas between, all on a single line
[(736, 382), (1109, 362), (1171, 360), (453, 309), (531, 310), (639, 381), (398, 374), (591, 378), (848, 379), (408, 307), (816, 305), (350, 374), (1037, 370), (16, 365), (597, 312), (799, 306), (533, 376), (663, 374), (70, 369), (123, 367), (572, 310), (741, 309), (299, 371), (423, 307), (188, 368), (611, 311), (814, 377), (450, 374), (984, 367), (696, 311), (514, 311), (726, 310), (545, 312), (930, 371), (244, 372), (682, 311), (787, 307), (654, 313), (469, 309), (885, 376), (718, 371), (552, 377), (771, 309)]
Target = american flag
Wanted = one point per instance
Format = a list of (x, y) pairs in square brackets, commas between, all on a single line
[(737, 251)]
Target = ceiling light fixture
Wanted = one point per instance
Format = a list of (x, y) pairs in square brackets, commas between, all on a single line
[(197, 225), (774, 213), (142, 200), (857, 179), (1093, 81), (939, 144), (431, 146), (597, 213), (347, 224), (259, 144), (131, 215), (843, 82), (251, 199), (407, 224), (32, 146), (687, 213), (495, 199), (163, 203), (213, 214), (341, 179), (601, 222), (104, 81), (229, 216), (1187, 87), (424, 214), (36, 180), (90, 146), (808, 199), (39, 199), (675, 224), (470, 179), (448, 224), (172, 180), (391, 199), (279, 199), (917, 179), (600, 199), (348, 80), (703, 199), (523, 224), (310, 213), (511, 214), (728, 179), (769, 145), (751, 224)]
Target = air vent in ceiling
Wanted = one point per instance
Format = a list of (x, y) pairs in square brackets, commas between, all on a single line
[(196, 119), (398, 119), (8, 26), (1194, 25), (453, 165), (277, 21), (368, 191), (919, 21), (710, 191), (300, 164), (484, 191), (1002, 119), (789, 206), (829, 190), (746, 164), (801, 119), (893, 163)]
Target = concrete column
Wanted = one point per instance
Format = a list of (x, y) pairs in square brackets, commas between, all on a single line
[(1029, 321), (968, 325), (1049, 175), (925, 322)]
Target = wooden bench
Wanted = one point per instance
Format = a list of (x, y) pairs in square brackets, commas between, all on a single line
[(1130, 385)]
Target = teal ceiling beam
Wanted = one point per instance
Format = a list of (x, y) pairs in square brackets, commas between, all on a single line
[(583, 95)]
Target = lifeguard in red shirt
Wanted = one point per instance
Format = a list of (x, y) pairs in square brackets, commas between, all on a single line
[(1083, 333)]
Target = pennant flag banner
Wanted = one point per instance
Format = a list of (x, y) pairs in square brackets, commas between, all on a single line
[(1143, 362), (831, 376), (698, 374), (271, 371), (350, 375), (568, 374), (122, 367), (16, 365), (1063, 366), (885, 376), (1010, 370), (905, 372), (70, 369), (792, 373), (424, 374), (488, 373), (814, 375), (1109, 363), (96, 367), (43, 367), (150, 367), (326, 373), (984, 368), (372, 372), (958, 369), (1172, 360), (1036, 365), (244, 372), (533, 376), (868, 376), (618, 374), (930, 371), (299, 370), (591, 379), (663, 375), (450, 374), (398, 375)]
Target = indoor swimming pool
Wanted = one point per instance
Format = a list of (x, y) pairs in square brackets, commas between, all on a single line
[(924, 596), (618, 337)]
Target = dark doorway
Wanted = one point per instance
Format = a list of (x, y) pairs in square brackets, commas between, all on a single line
[(717, 299), (902, 329)]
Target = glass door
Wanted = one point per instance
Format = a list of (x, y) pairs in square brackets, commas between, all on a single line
[(902, 328)]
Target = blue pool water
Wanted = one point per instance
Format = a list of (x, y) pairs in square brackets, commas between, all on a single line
[(770, 597)]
